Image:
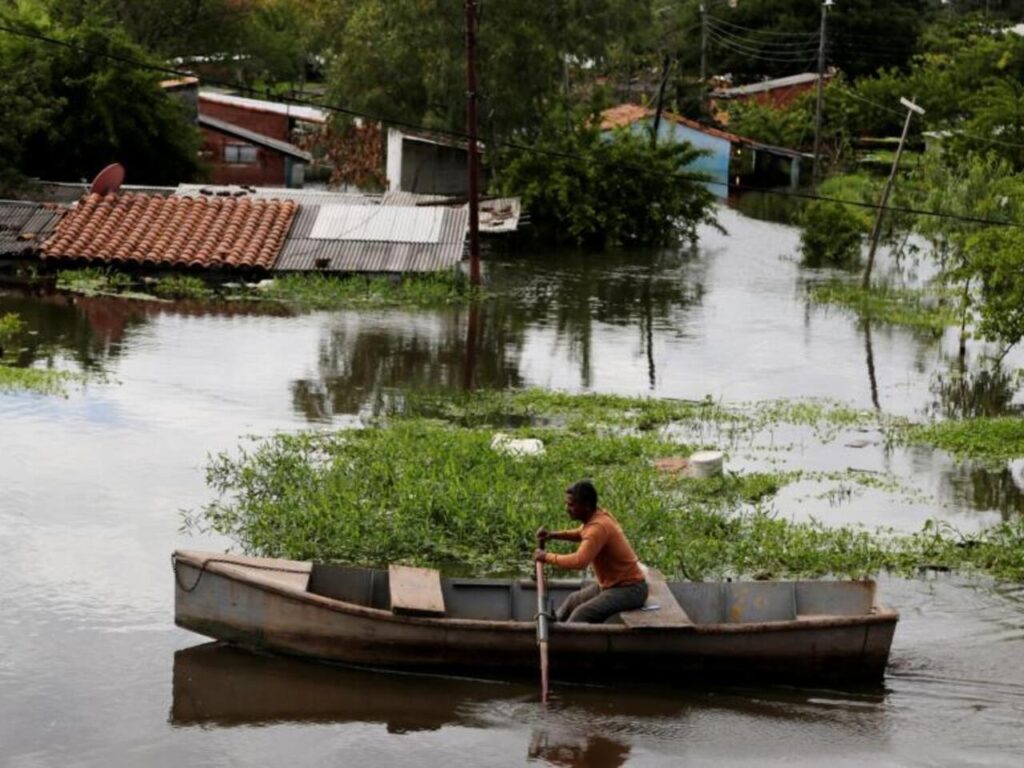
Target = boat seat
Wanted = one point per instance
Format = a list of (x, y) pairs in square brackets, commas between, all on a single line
[(415, 591), (661, 611)]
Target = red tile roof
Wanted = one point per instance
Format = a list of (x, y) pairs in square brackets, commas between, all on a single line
[(627, 114), (181, 231)]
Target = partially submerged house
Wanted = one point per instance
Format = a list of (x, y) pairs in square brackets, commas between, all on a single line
[(729, 159), (257, 230), (167, 231)]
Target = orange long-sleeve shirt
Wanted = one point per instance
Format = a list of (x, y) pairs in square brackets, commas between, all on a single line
[(604, 545)]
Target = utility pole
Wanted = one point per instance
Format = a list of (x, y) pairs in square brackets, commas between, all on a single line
[(703, 54), (659, 105), (821, 89), (877, 230), (471, 129)]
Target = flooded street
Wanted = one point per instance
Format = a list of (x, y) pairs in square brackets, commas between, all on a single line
[(93, 671)]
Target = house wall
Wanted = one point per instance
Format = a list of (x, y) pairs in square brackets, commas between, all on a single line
[(425, 168), (269, 170), (267, 123), (715, 164), (781, 97)]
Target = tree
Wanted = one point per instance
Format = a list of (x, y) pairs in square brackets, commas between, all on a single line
[(27, 108), (774, 38), (832, 232), (405, 60), (89, 104), (165, 27), (593, 189)]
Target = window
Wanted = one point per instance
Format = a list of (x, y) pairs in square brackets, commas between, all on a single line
[(240, 153)]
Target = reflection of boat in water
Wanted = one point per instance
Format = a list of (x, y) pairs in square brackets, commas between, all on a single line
[(216, 684), (581, 752), (793, 631)]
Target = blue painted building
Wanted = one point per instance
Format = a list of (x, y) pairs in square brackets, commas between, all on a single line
[(730, 159)]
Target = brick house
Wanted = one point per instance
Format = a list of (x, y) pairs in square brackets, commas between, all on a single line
[(250, 141)]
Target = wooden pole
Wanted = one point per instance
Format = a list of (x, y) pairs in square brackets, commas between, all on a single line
[(542, 628), (471, 130), (877, 229), (703, 55), (659, 105), (821, 89)]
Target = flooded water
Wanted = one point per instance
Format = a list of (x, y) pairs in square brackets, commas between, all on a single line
[(94, 673)]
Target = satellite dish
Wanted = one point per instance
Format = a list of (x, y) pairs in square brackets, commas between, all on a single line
[(109, 180)]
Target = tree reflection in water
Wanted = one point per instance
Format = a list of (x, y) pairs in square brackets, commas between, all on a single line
[(366, 355)]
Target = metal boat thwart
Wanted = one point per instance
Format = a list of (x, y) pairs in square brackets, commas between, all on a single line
[(415, 619)]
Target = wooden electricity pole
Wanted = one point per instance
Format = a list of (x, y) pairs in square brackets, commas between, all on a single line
[(471, 130), (703, 55), (877, 230), (821, 90)]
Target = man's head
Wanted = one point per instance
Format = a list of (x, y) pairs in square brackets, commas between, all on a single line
[(581, 500)]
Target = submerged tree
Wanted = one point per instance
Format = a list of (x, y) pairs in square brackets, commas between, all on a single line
[(600, 189)]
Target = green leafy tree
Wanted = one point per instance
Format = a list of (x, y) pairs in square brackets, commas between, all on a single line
[(774, 38), (405, 59), (89, 105), (165, 27), (597, 189), (833, 232), (28, 108)]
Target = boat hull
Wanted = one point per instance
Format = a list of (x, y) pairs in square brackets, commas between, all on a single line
[(277, 614)]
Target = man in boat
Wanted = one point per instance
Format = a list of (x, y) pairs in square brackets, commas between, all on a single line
[(620, 582)]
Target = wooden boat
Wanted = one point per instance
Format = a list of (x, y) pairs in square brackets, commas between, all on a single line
[(413, 619)]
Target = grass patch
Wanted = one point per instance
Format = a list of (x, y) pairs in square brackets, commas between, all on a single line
[(994, 440), (182, 287), (316, 291), (39, 380), (11, 326), (425, 492), (424, 487), (919, 309), (94, 280), (538, 406)]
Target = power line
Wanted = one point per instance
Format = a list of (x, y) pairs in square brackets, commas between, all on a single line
[(762, 43), (759, 53), (679, 176), (755, 54), (770, 32)]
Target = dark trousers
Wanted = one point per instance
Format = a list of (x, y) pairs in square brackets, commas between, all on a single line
[(593, 605)]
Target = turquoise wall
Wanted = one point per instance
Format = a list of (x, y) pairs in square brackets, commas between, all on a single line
[(715, 164)]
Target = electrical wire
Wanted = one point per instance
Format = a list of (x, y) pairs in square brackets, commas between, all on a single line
[(512, 145), (806, 56), (767, 44), (771, 32)]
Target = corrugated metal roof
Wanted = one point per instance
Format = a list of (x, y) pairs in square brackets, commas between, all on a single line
[(303, 253), (237, 131), (297, 111), (24, 226), (378, 224)]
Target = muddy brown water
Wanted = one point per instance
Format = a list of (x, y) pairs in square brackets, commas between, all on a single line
[(94, 673)]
